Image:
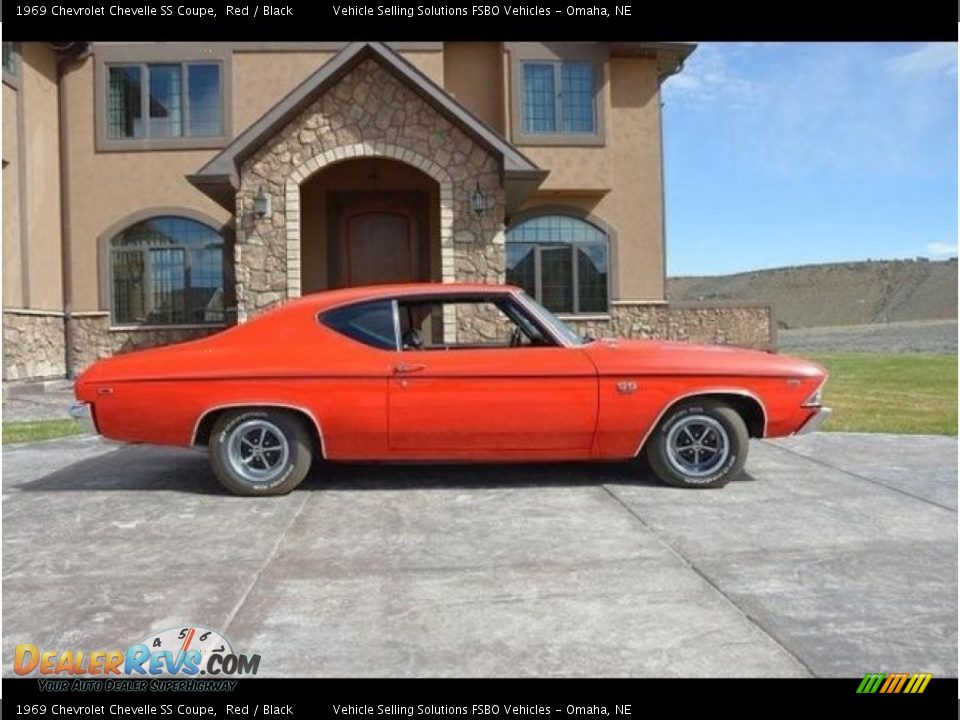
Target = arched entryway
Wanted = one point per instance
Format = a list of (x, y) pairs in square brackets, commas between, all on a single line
[(369, 220), (370, 114), (352, 168)]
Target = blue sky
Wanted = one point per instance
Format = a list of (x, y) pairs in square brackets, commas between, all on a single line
[(796, 153)]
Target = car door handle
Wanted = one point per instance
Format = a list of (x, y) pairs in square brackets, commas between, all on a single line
[(404, 369)]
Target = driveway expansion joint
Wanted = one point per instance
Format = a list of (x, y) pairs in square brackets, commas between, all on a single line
[(263, 566), (892, 488), (755, 622)]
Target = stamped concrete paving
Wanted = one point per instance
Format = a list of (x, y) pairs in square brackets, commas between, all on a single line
[(835, 556)]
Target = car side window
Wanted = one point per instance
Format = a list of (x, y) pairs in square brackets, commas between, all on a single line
[(465, 323), (370, 323)]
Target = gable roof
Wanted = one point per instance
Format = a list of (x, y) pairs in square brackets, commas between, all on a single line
[(218, 178)]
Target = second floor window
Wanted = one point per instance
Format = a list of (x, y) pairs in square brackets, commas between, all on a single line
[(164, 100), (559, 98)]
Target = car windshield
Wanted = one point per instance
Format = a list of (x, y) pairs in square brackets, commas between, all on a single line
[(555, 323)]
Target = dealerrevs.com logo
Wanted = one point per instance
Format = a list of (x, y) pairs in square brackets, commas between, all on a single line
[(177, 652)]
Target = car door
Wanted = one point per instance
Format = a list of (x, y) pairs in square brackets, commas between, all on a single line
[(456, 400)]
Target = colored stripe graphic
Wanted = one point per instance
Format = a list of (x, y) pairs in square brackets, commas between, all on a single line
[(918, 682), (871, 682), (894, 683)]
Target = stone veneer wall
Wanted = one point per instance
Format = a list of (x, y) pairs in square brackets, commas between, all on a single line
[(93, 339), (368, 113), (33, 345), (751, 326)]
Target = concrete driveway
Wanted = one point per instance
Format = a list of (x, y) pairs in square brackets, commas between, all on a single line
[(835, 556)]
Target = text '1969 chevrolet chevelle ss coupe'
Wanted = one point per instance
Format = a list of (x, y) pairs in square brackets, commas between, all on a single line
[(445, 372)]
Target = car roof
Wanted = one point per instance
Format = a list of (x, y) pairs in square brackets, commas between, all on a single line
[(329, 298)]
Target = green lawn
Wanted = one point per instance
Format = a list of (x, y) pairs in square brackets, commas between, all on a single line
[(17, 432), (900, 393)]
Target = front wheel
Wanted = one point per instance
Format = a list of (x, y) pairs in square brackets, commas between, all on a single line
[(699, 444), (260, 451)]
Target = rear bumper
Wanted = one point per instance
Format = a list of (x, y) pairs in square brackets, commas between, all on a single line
[(83, 413), (815, 421)]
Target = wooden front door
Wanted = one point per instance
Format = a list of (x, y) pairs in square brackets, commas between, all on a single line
[(380, 239)]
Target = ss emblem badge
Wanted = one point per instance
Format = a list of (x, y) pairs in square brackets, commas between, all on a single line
[(625, 387)]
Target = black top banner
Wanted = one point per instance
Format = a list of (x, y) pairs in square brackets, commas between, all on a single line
[(305, 20)]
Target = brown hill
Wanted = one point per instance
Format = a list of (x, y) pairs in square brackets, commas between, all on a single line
[(836, 294)]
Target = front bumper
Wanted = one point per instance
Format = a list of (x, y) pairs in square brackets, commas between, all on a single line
[(83, 413), (815, 421)]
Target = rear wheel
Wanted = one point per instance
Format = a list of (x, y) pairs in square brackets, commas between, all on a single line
[(260, 451), (700, 444)]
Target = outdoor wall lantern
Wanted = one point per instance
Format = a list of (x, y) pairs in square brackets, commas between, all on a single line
[(261, 204), (479, 201)]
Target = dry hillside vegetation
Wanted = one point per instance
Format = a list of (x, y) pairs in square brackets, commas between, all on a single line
[(836, 294)]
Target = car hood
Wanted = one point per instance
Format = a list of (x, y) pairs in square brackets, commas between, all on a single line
[(657, 357)]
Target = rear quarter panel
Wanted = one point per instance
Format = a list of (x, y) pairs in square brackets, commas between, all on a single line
[(159, 396), (349, 412)]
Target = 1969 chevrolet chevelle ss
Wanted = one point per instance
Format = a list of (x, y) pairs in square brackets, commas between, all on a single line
[(431, 372)]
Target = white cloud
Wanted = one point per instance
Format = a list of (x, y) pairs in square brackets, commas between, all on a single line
[(940, 248), (803, 108), (709, 77), (928, 59)]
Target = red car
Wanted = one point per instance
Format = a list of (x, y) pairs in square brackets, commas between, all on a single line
[(454, 372)]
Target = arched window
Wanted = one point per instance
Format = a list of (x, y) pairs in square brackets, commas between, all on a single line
[(562, 261), (167, 271)]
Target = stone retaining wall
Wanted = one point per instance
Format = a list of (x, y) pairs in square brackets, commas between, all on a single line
[(750, 326), (33, 345), (93, 339), (34, 348), (747, 325)]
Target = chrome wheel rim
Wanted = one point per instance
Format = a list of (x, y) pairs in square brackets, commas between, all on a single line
[(257, 451), (697, 446)]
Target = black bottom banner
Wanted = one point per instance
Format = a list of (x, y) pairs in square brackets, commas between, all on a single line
[(389, 698)]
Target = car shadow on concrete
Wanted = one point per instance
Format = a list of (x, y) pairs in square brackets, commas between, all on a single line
[(383, 476), (142, 467), (133, 467)]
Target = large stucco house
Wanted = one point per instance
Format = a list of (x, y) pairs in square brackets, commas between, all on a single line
[(154, 192)]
